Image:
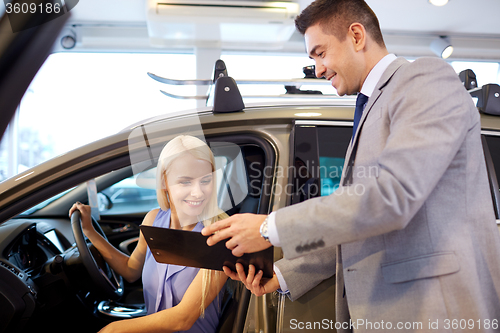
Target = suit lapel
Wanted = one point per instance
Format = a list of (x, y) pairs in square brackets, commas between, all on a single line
[(379, 89)]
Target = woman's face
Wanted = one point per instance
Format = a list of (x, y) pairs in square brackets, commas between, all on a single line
[(190, 186)]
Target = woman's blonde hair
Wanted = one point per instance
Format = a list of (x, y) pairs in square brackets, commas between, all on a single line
[(178, 146)]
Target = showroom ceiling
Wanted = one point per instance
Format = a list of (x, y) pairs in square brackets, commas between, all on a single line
[(408, 26)]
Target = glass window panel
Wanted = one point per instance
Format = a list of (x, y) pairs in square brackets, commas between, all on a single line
[(77, 98)]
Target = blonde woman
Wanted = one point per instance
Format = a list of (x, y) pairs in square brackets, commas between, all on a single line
[(178, 298)]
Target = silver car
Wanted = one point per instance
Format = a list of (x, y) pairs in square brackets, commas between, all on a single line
[(55, 280)]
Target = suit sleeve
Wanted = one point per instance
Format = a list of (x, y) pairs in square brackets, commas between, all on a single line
[(306, 272), (430, 114)]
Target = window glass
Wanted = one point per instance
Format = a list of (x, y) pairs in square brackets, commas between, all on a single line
[(333, 143), (494, 148), (220, 164), (493, 144), (330, 173), (77, 98), (486, 72), (319, 156), (267, 67), (44, 203), (127, 197), (239, 173)]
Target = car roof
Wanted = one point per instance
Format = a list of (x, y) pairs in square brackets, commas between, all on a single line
[(337, 107), (490, 122), (339, 111)]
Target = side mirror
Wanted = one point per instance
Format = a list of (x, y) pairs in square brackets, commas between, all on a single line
[(104, 202)]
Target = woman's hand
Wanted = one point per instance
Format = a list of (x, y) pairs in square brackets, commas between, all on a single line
[(85, 212), (254, 282)]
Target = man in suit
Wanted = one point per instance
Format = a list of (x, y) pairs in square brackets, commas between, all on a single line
[(417, 241)]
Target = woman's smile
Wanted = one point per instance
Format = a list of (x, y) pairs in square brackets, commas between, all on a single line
[(194, 203)]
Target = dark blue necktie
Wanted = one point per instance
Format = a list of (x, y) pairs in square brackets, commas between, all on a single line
[(358, 112)]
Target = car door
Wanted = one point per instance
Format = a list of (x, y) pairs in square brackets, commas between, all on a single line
[(491, 146), (319, 149), (117, 186), (124, 202)]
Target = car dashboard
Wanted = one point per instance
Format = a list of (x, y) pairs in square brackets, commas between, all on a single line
[(28, 250)]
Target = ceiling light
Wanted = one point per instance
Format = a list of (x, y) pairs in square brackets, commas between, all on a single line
[(68, 39), (442, 47), (438, 3)]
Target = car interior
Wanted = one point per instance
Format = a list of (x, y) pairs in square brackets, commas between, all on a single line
[(38, 254)]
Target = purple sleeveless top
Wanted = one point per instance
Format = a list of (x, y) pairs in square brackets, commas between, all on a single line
[(165, 284)]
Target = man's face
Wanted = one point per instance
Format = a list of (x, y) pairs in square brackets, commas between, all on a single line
[(335, 60)]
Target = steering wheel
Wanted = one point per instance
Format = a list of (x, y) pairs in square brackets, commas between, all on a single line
[(103, 277)]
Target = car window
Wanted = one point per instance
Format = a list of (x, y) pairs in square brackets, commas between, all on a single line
[(128, 197), (319, 155), (45, 203), (332, 144), (491, 144), (494, 148), (239, 186)]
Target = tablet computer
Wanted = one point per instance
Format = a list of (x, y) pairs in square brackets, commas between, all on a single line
[(188, 248)]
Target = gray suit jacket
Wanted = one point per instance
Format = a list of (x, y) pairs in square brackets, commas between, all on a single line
[(416, 224)]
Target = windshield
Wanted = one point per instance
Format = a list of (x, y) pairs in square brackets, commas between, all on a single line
[(45, 203)]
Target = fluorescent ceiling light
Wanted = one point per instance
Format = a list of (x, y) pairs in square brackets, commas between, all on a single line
[(438, 3)]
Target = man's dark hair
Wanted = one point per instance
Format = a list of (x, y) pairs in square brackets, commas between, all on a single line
[(335, 17)]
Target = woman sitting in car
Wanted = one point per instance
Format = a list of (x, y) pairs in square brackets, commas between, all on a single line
[(178, 298)]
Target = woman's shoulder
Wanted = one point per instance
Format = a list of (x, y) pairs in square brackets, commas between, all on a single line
[(150, 217)]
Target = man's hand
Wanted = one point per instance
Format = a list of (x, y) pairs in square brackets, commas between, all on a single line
[(244, 231), (255, 283)]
